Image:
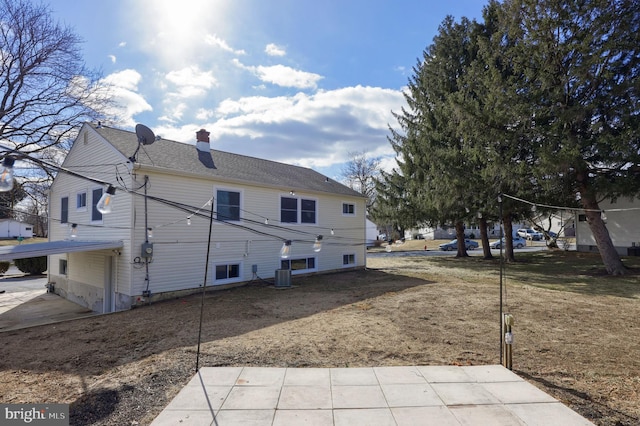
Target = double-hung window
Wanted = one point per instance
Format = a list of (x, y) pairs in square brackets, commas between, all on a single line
[(228, 205), (298, 210)]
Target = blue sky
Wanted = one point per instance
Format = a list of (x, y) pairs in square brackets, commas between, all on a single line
[(297, 81)]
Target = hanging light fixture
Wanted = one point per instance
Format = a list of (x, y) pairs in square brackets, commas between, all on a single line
[(73, 232), (317, 245), (6, 177), (603, 216), (332, 232), (104, 204), (534, 208), (286, 249), (189, 220), (149, 232)]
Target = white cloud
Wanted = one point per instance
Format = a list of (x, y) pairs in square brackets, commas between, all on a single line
[(214, 40), (274, 50), (122, 44), (317, 130), (283, 76), (174, 113), (112, 58), (191, 82), (124, 89)]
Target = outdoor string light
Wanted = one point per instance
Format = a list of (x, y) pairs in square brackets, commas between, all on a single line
[(317, 245), (6, 178), (104, 204), (286, 249)]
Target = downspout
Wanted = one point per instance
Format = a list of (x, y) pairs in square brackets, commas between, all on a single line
[(146, 293)]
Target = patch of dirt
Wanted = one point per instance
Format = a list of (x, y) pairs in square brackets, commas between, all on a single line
[(124, 368)]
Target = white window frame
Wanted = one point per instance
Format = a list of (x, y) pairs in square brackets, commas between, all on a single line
[(301, 271), (240, 205), (217, 281), (299, 199), (349, 265), (81, 208), (346, 203)]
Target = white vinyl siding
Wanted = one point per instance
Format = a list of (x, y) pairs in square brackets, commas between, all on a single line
[(180, 249), (114, 226)]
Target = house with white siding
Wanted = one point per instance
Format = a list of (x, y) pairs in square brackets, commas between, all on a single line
[(12, 229), (621, 217), (175, 206)]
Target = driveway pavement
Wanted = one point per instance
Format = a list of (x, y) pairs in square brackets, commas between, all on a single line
[(24, 302)]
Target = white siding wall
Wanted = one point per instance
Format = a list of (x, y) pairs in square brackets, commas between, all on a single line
[(622, 224), (179, 258), (94, 158), (180, 250)]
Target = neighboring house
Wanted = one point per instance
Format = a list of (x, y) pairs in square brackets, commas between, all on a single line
[(11, 229), (561, 222), (622, 219), (164, 187), (445, 233), (371, 233)]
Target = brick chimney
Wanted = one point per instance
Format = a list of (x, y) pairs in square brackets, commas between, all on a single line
[(202, 140)]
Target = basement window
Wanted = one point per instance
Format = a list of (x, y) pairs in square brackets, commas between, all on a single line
[(228, 272), (299, 264)]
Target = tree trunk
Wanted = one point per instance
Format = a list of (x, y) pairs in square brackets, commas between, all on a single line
[(509, 256), (610, 256), (462, 248), (484, 239)]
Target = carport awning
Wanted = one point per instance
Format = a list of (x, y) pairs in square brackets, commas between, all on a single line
[(8, 253)]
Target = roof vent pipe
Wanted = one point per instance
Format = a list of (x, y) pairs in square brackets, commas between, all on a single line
[(202, 140)]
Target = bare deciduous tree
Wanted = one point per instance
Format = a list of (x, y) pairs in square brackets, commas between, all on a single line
[(45, 90), (360, 174)]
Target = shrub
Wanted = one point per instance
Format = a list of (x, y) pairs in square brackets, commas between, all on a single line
[(4, 267), (32, 265)]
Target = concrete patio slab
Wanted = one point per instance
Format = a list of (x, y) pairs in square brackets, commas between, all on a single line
[(371, 396)]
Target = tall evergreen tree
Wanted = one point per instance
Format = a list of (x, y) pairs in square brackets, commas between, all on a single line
[(564, 74)]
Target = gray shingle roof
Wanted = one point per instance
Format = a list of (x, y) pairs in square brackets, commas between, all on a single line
[(222, 165)]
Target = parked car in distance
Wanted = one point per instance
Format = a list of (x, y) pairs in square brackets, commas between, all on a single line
[(453, 245), (518, 242), (530, 234)]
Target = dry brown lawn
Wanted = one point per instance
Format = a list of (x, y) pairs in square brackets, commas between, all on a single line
[(576, 334)]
